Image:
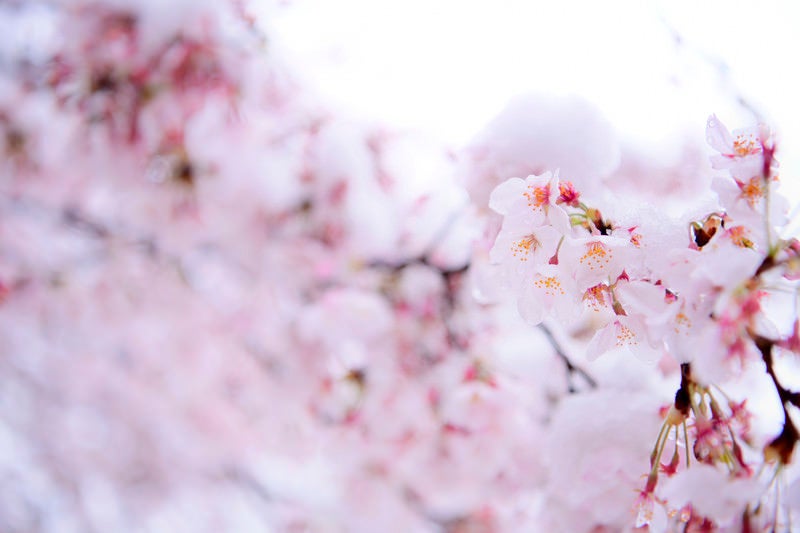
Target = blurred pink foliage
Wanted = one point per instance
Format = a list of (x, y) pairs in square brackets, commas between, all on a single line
[(225, 307)]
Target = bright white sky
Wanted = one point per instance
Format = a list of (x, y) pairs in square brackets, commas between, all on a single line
[(446, 67)]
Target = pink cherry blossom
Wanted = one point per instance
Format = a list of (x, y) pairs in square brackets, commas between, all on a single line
[(740, 152), (228, 305), (533, 200)]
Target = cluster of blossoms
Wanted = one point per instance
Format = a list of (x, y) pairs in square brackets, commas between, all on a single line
[(225, 308), (693, 289)]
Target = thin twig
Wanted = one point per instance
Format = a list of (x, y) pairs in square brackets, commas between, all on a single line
[(572, 369)]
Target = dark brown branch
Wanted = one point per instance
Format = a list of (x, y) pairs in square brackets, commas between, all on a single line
[(572, 369), (783, 445), (451, 278), (683, 402)]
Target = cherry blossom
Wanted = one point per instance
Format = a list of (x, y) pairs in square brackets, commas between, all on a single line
[(226, 305), (534, 200)]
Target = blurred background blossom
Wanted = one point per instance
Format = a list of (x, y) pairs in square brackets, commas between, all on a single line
[(242, 251)]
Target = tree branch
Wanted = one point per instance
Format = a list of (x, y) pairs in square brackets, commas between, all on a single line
[(572, 369)]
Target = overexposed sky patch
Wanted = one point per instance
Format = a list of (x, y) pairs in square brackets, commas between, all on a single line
[(656, 69)]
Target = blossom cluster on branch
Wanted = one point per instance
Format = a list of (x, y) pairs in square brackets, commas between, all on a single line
[(227, 307), (693, 289)]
